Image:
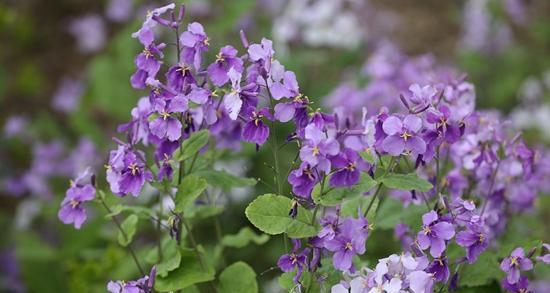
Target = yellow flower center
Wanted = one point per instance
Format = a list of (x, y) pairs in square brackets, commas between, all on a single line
[(406, 135), (207, 41), (514, 261), (73, 203), (147, 53), (164, 115), (348, 246), (351, 166), (219, 57), (316, 150), (427, 230), (133, 168)]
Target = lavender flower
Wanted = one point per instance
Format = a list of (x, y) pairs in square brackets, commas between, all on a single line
[(145, 34), (474, 239), (225, 60), (349, 165), (293, 260), (349, 241), (513, 264), (255, 130), (402, 135), (194, 42), (303, 180), (166, 125), (317, 148), (142, 285), (72, 210), (434, 234)]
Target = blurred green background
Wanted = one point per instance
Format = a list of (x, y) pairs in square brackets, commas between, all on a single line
[(41, 46)]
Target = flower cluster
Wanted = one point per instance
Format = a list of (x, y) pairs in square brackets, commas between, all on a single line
[(410, 126)]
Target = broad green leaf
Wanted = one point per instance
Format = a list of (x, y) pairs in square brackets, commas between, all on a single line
[(140, 211), (129, 228), (192, 145), (334, 196), (484, 271), (190, 272), (225, 180), (243, 238), (202, 211), (190, 188), (392, 212), (238, 277), (269, 213), (409, 181), (171, 258)]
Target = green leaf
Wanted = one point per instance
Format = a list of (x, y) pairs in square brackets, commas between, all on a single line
[(333, 197), (171, 258), (225, 180), (129, 228), (409, 181), (482, 272), (192, 145), (392, 212), (203, 211), (238, 277), (243, 238), (269, 213), (140, 211), (190, 272), (190, 188)]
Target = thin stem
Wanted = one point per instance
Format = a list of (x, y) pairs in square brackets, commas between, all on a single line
[(371, 203), (142, 272), (159, 230), (437, 171), (193, 242), (273, 143), (493, 179)]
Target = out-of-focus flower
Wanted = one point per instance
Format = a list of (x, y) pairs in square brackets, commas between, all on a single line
[(119, 10), (89, 32), (67, 97)]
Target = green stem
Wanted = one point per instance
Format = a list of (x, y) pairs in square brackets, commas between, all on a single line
[(129, 247)]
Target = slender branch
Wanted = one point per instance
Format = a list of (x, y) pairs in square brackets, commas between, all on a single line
[(129, 247)]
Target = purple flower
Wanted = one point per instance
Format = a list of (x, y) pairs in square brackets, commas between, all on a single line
[(445, 128), (421, 96), (513, 264), (349, 241), (317, 147), (133, 175), (255, 130), (284, 112), (545, 254), (147, 65), (194, 42), (262, 55), (166, 125), (179, 77), (439, 268), (303, 180), (434, 233), (138, 128), (90, 33), (225, 60), (145, 33), (521, 286), (474, 239), (68, 95), (72, 211), (289, 262), (349, 165), (420, 282), (282, 84), (402, 135), (142, 285), (232, 100)]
